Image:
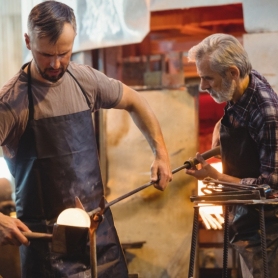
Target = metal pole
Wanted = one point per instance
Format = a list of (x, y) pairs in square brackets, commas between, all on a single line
[(93, 255), (226, 242), (263, 241), (193, 242)]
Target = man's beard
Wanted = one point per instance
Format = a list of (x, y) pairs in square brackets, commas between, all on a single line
[(44, 74), (226, 93)]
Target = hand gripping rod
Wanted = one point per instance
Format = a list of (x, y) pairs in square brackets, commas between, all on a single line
[(187, 165)]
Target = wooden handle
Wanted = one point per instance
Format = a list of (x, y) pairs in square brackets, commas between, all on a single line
[(31, 235), (206, 155), (210, 153)]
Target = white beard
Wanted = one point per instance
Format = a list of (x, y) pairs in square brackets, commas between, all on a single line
[(226, 93)]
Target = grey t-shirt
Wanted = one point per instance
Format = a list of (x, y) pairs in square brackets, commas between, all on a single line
[(61, 98)]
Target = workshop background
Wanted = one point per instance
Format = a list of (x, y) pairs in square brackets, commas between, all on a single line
[(144, 43)]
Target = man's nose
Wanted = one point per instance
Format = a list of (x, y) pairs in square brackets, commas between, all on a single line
[(55, 62), (204, 85)]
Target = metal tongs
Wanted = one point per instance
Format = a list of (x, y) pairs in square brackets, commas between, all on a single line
[(216, 190), (96, 215), (187, 165)]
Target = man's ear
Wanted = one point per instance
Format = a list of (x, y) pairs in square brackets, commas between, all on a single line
[(234, 72), (27, 41)]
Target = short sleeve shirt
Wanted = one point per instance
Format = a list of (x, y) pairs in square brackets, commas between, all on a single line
[(50, 100)]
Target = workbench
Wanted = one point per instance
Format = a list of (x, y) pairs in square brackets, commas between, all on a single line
[(259, 203)]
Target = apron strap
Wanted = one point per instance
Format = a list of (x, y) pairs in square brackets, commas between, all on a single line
[(83, 91), (30, 97)]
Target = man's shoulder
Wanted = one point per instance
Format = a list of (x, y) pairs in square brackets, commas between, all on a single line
[(264, 99), (76, 66), (83, 71), (13, 85), (80, 69), (260, 83), (261, 92)]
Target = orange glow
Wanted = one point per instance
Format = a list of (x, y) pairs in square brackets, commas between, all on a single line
[(74, 217), (212, 216)]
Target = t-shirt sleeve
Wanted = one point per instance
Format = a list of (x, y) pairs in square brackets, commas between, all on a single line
[(109, 90), (7, 123), (102, 91)]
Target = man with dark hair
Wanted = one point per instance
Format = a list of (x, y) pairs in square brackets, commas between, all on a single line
[(248, 137), (48, 141)]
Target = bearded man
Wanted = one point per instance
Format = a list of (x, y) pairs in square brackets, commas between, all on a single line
[(247, 134)]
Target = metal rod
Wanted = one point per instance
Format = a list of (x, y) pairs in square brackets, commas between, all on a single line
[(263, 241), (93, 256), (187, 165), (193, 242), (226, 242)]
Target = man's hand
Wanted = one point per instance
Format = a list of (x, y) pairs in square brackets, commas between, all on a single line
[(161, 172), (205, 171), (10, 231)]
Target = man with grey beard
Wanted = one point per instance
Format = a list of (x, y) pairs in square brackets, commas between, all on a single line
[(247, 134)]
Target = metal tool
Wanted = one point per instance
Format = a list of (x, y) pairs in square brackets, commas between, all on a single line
[(96, 215), (229, 194), (225, 196), (64, 239), (96, 218), (101, 208), (220, 190), (187, 165)]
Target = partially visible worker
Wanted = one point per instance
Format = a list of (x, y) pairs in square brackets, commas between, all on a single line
[(7, 205), (11, 231), (10, 228)]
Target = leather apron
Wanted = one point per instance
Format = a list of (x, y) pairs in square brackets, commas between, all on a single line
[(57, 159), (240, 158)]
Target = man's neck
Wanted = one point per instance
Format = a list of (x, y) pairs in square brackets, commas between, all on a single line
[(244, 84), (241, 88), (35, 74)]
